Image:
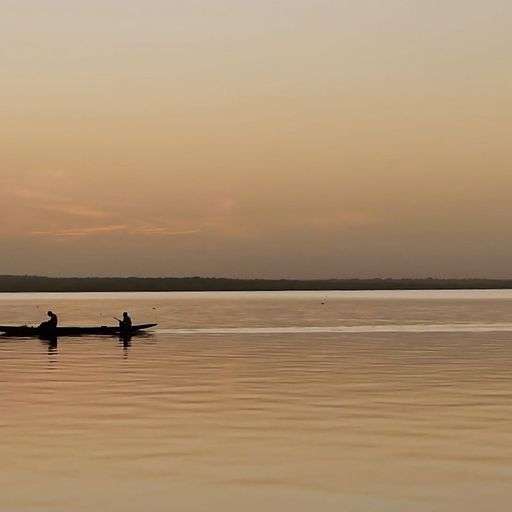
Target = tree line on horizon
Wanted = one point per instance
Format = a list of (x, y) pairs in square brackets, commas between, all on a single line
[(164, 284)]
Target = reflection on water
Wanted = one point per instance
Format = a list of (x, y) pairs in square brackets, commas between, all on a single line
[(271, 402), (410, 328), (53, 345)]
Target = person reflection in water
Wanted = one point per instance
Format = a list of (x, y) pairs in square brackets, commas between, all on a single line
[(126, 323), (126, 342), (53, 345), (51, 323)]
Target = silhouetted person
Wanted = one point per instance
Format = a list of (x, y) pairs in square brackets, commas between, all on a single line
[(50, 324), (126, 323)]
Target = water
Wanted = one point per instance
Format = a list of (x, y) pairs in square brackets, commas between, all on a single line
[(388, 401)]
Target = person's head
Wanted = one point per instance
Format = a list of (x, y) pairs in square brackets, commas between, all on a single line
[(125, 314), (50, 313)]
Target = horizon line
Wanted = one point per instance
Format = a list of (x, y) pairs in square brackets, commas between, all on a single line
[(232, 278)]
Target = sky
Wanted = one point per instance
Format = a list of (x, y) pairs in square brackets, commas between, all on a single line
[(292, 138)]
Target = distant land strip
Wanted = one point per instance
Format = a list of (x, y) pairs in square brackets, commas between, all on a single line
[(15, 284)]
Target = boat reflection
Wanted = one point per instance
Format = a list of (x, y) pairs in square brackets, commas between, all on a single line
[(52, 343), (125, 340)]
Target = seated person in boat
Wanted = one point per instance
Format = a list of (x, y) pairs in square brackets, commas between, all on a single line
[(126, 323), (50, 324)]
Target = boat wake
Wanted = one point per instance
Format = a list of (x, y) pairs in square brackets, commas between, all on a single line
[(345, 329)]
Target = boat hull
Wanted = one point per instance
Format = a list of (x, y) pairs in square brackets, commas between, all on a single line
[(36, 332)]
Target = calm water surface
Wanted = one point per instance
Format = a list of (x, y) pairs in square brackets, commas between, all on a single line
[(372, 401)]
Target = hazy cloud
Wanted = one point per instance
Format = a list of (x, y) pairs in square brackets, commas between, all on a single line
[(156, 231)]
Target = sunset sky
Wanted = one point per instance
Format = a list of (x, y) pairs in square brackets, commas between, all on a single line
[(263, 138)]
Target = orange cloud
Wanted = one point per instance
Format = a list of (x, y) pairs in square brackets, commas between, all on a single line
[(41, 200), (160, 231), (80, 232), (113, 228)]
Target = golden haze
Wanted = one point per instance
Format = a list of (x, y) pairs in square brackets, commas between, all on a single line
[(293, 138)]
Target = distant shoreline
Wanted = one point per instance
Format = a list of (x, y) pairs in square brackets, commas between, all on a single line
[(34, 284)]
